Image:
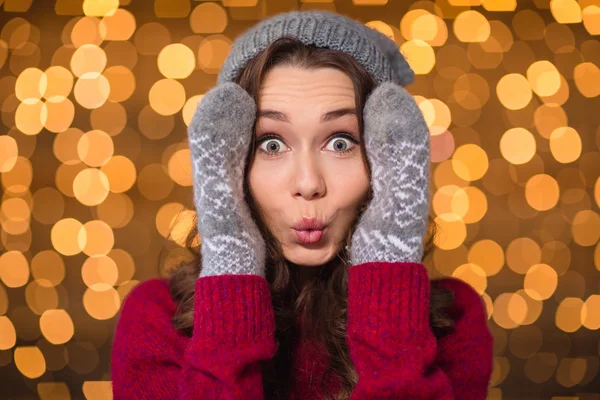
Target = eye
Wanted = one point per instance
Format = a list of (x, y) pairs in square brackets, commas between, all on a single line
[(341, 144), (271, 146)]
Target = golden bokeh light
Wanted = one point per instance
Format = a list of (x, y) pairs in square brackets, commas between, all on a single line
[(86, 31), (59, 82), (568, 314), (116, 210), (513, 91), (422, 25), (60, 113), (212, 53), (65, 146), (548, 117), (53, 390), (95, 148), (420, 56), (565, 144), (97, 390), (167, 96), (180, 168), (587, 79), (473, 275), (510, 310), (67, 238), (100, 8), (3, 301), (544, 78), (30, 361), (477, 205), (91, 186), (14, 269), (499, 5), (125, 264), (9, 152), (453, 231), (436, 114), (542, 192), (101, 301), (488, 255), (88, 58), (180, 226), (48, 268), (189, 108), (522, 253), (590, 312), (99, 269), (591, 19), (470, 162), (517, 146), (533, 308), (566, 11), (165, 217), (31, 84), (208, 18), (585, 228), (31, 116), (121, 81), (92, 90), (99, 238), (120, 172), (540, 281), (176, 61), (8, 335), (471, 26), (117, 25), (41, 296)]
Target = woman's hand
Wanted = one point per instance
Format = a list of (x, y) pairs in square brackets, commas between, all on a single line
[(397, 146), (219, 137)]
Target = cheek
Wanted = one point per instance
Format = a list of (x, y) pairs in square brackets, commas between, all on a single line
[(265, 183), (348, 184)]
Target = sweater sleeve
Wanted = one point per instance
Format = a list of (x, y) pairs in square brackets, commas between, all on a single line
[(390, 341), (233, 332), (467, 355)]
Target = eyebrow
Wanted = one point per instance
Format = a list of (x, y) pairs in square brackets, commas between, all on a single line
[(331, 115)]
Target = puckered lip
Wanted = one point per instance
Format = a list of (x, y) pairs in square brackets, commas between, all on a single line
[(306, 224)]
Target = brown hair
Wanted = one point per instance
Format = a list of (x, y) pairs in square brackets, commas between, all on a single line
[(322, 303)]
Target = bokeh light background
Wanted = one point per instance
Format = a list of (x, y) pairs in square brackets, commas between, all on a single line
[(95, 98)]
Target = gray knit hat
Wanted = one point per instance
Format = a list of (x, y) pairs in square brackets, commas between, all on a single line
[(377, 53)]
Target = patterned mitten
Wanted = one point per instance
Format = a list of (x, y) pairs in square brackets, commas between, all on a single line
[(219, 137), (397, 145)]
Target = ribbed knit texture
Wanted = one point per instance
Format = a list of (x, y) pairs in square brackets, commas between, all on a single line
[(377, 53), (391, 344)]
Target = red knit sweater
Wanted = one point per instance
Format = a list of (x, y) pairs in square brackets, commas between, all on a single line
[(391, 343)]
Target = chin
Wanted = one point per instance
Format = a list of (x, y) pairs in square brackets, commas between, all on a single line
[(309, 257)]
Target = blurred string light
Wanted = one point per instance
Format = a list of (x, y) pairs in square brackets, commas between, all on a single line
[(515, 187)]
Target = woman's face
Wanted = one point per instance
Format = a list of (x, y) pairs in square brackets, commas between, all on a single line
[(307, 162)]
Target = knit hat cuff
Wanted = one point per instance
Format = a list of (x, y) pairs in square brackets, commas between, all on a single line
[(377, 53)]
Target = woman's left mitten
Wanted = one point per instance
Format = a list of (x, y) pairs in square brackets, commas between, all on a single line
[(397, 145)]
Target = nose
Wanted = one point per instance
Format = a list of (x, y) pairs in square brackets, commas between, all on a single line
[(308, 180)]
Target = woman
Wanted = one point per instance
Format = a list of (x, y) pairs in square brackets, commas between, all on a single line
[(309, 282)]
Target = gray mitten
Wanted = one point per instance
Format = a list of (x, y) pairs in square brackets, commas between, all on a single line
[(397, 145), (219, 137)]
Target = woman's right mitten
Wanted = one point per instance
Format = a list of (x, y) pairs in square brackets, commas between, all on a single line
[(219, 138)]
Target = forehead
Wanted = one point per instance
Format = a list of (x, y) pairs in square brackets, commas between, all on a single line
[(285, 86)]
